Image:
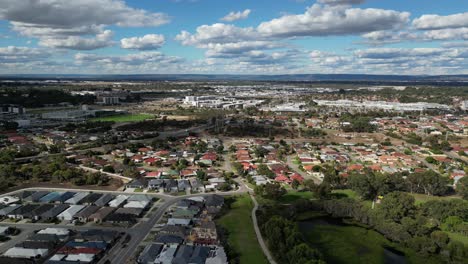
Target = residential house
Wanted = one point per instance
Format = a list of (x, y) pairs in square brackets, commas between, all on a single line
[(104, 199), (149, 254), (83, 215), (70, 213), (77, 198), (101, 214)]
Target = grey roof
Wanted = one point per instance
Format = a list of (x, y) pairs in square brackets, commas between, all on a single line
[(50, 197), (25, 194), (91, 198), (87, 211), (62, 198), (149, 254), (77, 198), (8, 209), (183, 255), (44, 238), (130, 211), (139, 197), (168, 239), (36, 196), (42, 209), (214, 200), (98, 235), (102, 213), (55, 211), (25, 210), (199, 255), (104, 199)]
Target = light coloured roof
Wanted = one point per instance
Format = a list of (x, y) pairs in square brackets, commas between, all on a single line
[(55, 231), (25, 252)]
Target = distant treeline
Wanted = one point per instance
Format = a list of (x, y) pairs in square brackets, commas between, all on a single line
[(39, 98)]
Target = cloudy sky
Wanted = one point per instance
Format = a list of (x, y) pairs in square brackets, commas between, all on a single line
[(234, 36)]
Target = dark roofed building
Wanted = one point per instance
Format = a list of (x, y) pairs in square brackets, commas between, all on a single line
[(184, 252), (168, 239), (23, 211), (214, 201), (149, 254), (52, 213), (104, 199), (199, 255), (62, 198), (83, 215), (91, 198), (35, 197)]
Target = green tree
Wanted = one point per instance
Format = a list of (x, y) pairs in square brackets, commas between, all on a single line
[(295, 184), (397, 205), (272, 191), (441, 239), (303, 253), (451, 223), (263, 169), (462, 187), (457, 251)]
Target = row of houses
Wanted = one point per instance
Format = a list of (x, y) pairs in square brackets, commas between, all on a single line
[(60, 246), (92, 207), (189, 234)]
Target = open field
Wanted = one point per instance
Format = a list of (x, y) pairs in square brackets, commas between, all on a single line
[(422, 198), (241, 232), (124, 118), (293, 195), (346, 192)]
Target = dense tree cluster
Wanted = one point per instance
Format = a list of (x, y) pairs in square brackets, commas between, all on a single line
[(370, 185), (313, 132), (286, 243), (272, 191), (417, 227), (50, 170), (41, 97), (357, 124), (160, 125), (462, 187), (88, 127)]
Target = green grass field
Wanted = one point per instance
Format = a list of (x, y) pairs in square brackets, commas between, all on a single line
[(422, 198), (293, 195), (123, 118), (346, 192), (241, 232)]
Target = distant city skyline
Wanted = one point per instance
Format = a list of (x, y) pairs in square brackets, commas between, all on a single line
[(233, 37)]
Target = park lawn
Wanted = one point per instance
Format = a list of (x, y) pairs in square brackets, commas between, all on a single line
[(293, 195), (347, 192), (242, 236), (123, 118), (422, 198)]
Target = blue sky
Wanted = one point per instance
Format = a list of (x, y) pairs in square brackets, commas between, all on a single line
[(236, 37)]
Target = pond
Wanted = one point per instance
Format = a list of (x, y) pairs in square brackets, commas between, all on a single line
[(340, 242)]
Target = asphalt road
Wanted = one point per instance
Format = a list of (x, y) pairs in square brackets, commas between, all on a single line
[(140, 231)]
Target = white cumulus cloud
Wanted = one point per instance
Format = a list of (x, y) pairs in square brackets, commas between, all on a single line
[(233, 16), (147, 42), (429, 22)]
